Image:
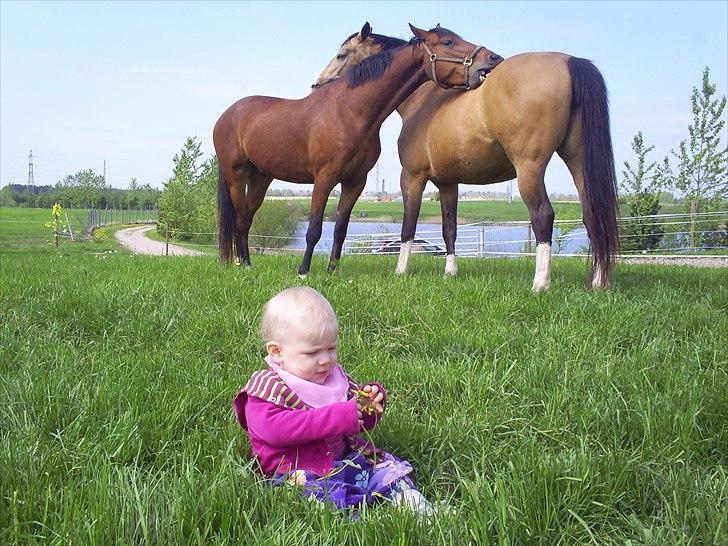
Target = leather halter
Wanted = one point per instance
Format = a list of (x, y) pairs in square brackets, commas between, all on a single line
[(466, 62)]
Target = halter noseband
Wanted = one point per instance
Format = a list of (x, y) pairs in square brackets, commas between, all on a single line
[(466, 62)]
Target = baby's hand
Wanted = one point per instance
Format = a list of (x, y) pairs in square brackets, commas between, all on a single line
[(360, 416), (374, 396)]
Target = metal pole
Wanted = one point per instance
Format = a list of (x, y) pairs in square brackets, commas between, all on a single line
[(481, 241), (70, 230), (693, 210)]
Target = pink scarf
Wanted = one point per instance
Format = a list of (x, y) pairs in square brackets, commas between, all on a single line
[(334, 389)]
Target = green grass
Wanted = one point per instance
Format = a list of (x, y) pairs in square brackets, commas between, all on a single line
[(28, 225), (569, 417), (23, 227), (468, 211)]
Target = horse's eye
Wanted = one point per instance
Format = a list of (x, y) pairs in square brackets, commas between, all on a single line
[(341, 56), (447, 42)]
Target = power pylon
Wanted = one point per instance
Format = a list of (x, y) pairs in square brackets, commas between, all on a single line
[(31, 180)]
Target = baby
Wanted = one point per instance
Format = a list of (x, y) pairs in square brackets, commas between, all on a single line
[(303, 413)]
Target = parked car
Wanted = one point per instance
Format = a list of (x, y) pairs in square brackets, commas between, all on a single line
[(419, 246)]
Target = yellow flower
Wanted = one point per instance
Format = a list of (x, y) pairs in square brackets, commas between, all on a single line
[(365, 401)]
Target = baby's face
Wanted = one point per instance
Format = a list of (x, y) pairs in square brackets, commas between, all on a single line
[(308, 355)]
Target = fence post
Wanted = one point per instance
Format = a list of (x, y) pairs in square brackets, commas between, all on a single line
[(481, 241), (166, 243), (70, 230), (693, 210), (528, 228)]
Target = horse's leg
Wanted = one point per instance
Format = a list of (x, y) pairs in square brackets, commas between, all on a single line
[(571, 152), (321, 189), (237, 184), (533, 192), (257, 186), (449, 207), (349, 194), (412, 189)]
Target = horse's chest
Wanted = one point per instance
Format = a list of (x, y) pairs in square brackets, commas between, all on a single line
[(354, 159)]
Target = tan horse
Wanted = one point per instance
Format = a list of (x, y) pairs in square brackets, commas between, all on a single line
[(328, 137), (531, 106)]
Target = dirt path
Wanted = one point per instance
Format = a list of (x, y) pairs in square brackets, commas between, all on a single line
[(134, 239), (694, 261)]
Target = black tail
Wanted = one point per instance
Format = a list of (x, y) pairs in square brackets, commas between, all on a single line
[(600, 180), (226, 218)]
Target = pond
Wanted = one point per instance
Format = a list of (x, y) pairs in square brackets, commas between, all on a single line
[(490, 240)]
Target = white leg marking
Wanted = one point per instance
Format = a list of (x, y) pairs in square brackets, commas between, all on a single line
[(404, 256), (451, 267), (542, 277), (599, 280)]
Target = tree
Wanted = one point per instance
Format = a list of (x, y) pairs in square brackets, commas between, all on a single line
[(702, 164), (177, 206), (6, 197), (642, 185), (83, 189), (701, 173)]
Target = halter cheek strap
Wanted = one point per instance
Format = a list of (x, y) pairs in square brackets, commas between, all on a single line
[(466, 62)]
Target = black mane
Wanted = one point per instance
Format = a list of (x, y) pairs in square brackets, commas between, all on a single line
[(373, 67)]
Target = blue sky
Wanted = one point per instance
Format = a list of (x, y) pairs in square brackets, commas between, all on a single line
[(127, 82)]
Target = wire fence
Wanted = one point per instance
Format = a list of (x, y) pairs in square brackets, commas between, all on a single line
[(661, 235)]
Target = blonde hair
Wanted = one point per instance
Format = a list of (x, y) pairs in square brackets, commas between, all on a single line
[(298, 308)]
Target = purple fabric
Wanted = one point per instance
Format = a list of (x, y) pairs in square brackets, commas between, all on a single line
[(353, 480)]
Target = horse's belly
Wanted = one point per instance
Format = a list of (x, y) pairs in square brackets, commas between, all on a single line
[(281, 160), (482, 162)]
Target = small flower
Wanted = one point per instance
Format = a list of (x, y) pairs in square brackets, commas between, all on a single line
[(363, 398), (362, 479), (297, 477)]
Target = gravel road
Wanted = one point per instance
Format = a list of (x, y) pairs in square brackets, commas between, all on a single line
[(134, 239), (696, 261)]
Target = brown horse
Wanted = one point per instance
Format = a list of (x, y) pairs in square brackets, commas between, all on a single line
[(531, 106), (328, 137)]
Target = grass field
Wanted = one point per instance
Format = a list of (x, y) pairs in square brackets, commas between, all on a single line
[(468, 211), (20, 226), (569, 417)]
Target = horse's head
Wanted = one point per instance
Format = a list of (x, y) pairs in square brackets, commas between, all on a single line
[(355, 49), (440, 42), (453, 61)]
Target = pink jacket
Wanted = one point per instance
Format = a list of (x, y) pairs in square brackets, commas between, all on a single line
[(285, 438)]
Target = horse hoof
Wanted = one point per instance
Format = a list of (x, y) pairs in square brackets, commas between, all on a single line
[(302, 276), (540, 287)]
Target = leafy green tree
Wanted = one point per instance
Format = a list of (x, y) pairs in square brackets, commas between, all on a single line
[(7, 199), (177, 205), (83, 189), (702, 162), (641, 184), (701, 172)]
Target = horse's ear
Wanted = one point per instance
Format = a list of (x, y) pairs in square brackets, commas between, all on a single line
[(418, 31), (437, 25), (365, 31)]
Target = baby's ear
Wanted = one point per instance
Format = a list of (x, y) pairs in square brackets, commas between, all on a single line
[(274, 350)]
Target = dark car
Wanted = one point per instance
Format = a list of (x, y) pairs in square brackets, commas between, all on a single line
[(419, 246)]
